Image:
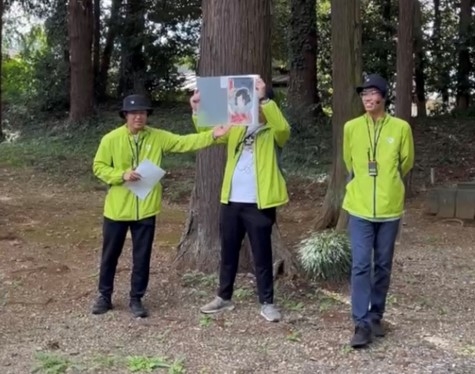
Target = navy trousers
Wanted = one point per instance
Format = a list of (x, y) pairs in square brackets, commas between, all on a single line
[(372, 249)]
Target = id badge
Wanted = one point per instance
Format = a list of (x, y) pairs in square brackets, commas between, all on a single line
[(372, 168)]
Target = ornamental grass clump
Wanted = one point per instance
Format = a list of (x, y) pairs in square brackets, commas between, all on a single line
[(326, 255)]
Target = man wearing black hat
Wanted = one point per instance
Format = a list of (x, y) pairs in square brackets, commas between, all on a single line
[(378, 151), (118, 155)]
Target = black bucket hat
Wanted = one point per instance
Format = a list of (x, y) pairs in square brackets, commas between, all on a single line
[(374, 81), (135, 102)]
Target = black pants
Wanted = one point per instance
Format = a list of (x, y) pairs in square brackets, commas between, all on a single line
[(114, 233), (237, 219)]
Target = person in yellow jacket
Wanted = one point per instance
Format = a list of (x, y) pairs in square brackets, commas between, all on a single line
[(378, 151), (253, 187), (119, 153)]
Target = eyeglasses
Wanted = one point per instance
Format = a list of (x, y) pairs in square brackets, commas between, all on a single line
[(369, 93)]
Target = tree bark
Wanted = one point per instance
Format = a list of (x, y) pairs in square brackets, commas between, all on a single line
[(229, 45), (405, 62), (82, 78), (97, 42), (443, 78), (464, 65), (302, 94), (347, 74), (112, 31), (404, 68), (133, 64), (2, 135), (419, 63)]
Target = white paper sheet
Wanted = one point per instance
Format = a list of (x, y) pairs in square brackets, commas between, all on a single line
[(150, 176)]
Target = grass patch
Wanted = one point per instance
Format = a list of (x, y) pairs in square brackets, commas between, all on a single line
[(48, 363)]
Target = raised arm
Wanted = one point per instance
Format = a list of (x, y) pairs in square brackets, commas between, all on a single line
[(277, 122)]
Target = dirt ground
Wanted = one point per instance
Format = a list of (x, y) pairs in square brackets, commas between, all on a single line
[(50, 237)]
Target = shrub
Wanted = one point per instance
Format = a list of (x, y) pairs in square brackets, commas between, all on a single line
[(326, 255)]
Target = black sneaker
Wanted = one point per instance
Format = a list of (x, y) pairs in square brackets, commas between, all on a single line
[(361, 338), (137, 308), (101, 305), (377, 329)]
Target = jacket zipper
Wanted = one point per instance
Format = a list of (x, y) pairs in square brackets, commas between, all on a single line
[(137, 164)]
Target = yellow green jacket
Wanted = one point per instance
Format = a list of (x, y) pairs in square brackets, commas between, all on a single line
[(271, 187), (118, 153), (382, 196)]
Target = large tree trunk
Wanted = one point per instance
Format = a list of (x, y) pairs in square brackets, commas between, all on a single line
[(404, 68), (97, 42), (347, 74), (464, 68), (302, 93), (133, 64), (2, 135), (419, 62), (113, 27), (246, 33), (82, 78)]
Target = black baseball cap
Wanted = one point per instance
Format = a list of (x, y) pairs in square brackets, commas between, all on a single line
[(374, 81), (135, 102)]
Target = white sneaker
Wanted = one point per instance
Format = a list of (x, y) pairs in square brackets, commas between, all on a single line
[(270, 313)]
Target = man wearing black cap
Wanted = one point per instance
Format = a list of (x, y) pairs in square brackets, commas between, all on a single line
[(118, 155), (378, 151)]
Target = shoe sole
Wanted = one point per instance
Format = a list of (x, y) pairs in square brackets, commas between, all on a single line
[(214, 311), (269, 319)]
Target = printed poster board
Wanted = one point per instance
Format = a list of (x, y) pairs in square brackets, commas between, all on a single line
[(228, 100)]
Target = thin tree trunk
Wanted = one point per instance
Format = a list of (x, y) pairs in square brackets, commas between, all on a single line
[(442, 76), (302, 93), (82, 78), (113, 26), (419, 62), (97, 42), (247, 33), (405, 64), (464, 65), (347, 74)]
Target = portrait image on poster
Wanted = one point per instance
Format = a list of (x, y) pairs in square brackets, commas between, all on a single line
[(241, 100)]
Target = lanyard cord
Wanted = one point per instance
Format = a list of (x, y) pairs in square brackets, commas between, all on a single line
[(372, 148)]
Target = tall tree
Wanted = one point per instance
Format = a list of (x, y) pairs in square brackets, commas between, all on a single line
[(2, 135), (302, 94), (248, 32), (419, 62), (97, 42), (464, 64), (405, 61), (347, 74), (133, 63), (404, 67), (113, 25), (82, 79)]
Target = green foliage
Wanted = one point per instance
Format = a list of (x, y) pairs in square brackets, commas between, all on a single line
[(149, 364), (326, 255), (51, 364)]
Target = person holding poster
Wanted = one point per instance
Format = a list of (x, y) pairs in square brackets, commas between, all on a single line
[(253, 187), (122, 153)]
